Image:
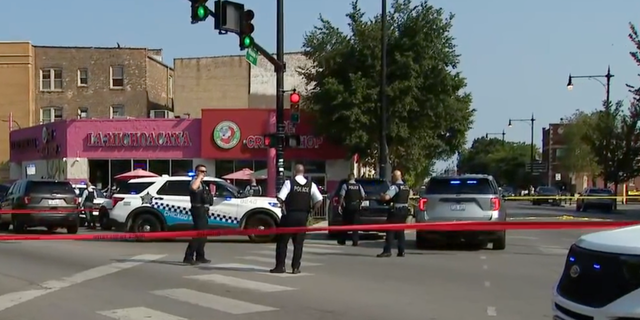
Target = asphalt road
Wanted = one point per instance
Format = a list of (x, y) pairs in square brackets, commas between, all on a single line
[(524, 210)]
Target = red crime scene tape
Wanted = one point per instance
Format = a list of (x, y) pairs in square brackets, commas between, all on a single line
[(437, 226), (6, 211)]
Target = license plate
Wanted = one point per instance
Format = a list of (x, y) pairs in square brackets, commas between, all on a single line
[(365, 203), (458, 207), (550, 200), (55, 202)]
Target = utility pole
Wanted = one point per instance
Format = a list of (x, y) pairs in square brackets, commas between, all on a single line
[(280, 93), (383, 148)]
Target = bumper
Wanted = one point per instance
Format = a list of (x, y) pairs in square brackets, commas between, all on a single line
[(597, 204), (459, 235), (563, 309), (48, 219)]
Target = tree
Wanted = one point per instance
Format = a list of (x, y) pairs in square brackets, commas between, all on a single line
[(425, 94), (576, 156)]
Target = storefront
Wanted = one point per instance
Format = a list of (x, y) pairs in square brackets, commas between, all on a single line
[(234, 138), (98, 150)]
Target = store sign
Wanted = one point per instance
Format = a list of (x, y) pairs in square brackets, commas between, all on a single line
[(139, 139), (306, 141)]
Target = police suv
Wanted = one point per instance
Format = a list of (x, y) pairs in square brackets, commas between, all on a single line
[(601, 278), (162, 204)]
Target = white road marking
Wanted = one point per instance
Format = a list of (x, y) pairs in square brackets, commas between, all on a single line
[(491, 311), (211, 301), (523, 237), (251, 268), (14, 298), (138, 313), (483, 257), (487, 284), (320, 245), (311, 250), (485, 267), (240, 283), (554, 250), (271, 260)]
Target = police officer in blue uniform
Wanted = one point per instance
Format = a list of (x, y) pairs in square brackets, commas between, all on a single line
[(351, 196), (297, 197), (398, 194), (201, 199)]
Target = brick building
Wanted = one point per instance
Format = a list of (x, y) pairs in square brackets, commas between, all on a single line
[(41, 84)]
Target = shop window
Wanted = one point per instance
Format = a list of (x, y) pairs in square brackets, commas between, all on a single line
[(224, 167), (120, 167), (159, 167), (99, 173), (181, 167), (259, 165), (141, 164), (242, 164), (174, 188), (314, 166)]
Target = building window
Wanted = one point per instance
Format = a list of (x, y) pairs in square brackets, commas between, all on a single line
[(83, 77), (50, 79), (83, 113), (117, 77), (117, 111), (50, 114), (170, 88)]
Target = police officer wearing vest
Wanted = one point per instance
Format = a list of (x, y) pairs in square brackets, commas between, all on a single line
[(201, 198), (253, 189), (351, 196), (398, 194), (87, 205), (297, 197)]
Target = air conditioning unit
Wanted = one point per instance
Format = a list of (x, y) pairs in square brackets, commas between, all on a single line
[(161, 114)]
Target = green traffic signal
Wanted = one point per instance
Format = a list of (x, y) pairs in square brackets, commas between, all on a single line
[(202, 12), (247, 41)]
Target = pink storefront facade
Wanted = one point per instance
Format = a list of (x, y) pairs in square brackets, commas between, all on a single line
[(98, 150)]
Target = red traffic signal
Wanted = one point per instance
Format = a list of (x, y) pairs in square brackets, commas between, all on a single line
[(294, 98), (267, 141)]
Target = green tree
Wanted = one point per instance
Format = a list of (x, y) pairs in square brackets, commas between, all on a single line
[(576, 156), (425, 94)]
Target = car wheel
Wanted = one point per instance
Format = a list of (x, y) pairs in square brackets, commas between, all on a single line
[(103, 220), (18, 226), (5, 226), (500, 243), (146, 222), (260, 221), (73, 229)]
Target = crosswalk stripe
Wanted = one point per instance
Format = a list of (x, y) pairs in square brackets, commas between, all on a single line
[(138, 313), (211, 301), (251, 268), (271, 260), (240, 283)]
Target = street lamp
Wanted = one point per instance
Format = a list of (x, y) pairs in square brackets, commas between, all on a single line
[(531, 122), (606, 85), (486, 135)]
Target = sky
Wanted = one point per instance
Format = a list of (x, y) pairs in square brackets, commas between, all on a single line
[(516, 55)]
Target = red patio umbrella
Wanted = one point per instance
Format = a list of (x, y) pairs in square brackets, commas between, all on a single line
[(137, 173), (244, 174)]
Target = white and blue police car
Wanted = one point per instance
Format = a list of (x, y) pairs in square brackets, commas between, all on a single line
[(162, 204)]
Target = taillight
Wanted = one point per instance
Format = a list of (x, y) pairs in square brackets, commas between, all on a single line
[(422, 204), (115, 200), (27, 200), (335, 201), (495, 204)]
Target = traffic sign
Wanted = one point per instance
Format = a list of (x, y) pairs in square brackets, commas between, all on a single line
[(251, 56), (536, 167)]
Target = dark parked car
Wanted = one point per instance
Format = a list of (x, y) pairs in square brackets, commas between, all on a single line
[(41, 195), (596, 198), (373, 210), (546, 195)]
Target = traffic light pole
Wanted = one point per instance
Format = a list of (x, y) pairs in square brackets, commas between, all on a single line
[(280, 94)]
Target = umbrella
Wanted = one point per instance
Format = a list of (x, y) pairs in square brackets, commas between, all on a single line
[(137, 173), (244, 174), (262, 174)]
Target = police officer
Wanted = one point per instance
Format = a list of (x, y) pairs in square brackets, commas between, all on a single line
[(297, 197), (253, 189), (398, 194), (351, 196), (201, 198), (87, 205)]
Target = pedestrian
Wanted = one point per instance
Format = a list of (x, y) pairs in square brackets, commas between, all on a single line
[(297, 198), (351, 197), (86, 201), (253, 189), (399, 195), (201, 198)]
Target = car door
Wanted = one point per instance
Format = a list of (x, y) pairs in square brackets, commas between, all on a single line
[(6, 202), (172, 200), (225, 208)]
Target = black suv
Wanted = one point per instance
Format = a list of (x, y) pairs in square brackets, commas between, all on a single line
[(373, 213), (41, 195)]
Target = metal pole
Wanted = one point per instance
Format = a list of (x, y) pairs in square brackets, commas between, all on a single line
[(280, 94), (503, 134), (383, 154), (533, 157)]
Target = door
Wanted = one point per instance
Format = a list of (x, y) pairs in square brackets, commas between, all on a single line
[(172, 200), (224, 211)]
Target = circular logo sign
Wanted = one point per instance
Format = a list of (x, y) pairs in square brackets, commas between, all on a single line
[(574, 271), (226, 134)]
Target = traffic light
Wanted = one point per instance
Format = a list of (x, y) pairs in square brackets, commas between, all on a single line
[(271, 140), (292, 141), (294, 100), (246, 29), (199, 11)]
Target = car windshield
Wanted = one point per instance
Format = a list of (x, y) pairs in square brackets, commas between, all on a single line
[(548, 190), (374, 187), (507, 189), (600, 191), (460, 186), (231, 187)]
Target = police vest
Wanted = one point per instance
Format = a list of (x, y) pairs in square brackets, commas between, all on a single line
[(299, 197), (401, 198), (91, 195), (352, 197), (255, 190), (202, 197)]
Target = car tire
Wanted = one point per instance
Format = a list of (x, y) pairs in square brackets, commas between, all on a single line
[(146, 222), (73, 229), (260, 221), (5, 226), (103, 220), (18, 226), (500, 243)]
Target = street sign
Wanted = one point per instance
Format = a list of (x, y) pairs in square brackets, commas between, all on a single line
[(251, 56), (536, 167), (558, 176)]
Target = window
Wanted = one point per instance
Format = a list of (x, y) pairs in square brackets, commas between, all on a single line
[(460, 186), (133, 187), (50, 114), (50, 187), (83, 77), (117, 77), (117, 111), (50, 79), (83, 113), (170, 88), (225, 190), (175, 188)]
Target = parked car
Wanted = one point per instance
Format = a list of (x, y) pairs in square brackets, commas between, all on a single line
[(461, 198), (596, 198), (40, 195), (546, 195)]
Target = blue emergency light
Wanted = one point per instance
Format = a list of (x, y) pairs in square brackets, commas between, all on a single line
[(191, 174)]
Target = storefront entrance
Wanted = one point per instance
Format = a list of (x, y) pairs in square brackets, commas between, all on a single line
[(101, 172)]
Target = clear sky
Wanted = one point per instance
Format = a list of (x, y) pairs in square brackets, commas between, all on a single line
[(516, 54)]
